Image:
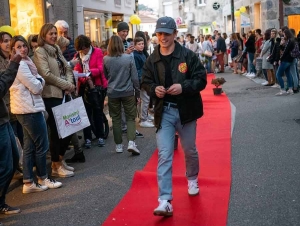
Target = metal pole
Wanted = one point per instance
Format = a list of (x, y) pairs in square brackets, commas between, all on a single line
[(232, 16)]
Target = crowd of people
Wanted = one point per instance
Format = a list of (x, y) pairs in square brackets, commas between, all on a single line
[(139, 76), (270, 55)]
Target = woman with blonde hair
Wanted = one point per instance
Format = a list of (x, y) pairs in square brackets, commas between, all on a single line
[(123, 89), (58, 75)]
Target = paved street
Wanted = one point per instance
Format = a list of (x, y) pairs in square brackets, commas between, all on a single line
[(265, 169)]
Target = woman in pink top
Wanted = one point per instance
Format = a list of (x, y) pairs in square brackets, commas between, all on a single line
[(91, 88)]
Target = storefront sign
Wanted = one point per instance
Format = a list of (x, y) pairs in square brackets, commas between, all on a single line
[(216, 5), (245, 20)]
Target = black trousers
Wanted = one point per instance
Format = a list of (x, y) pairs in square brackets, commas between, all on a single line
[(57, 146)]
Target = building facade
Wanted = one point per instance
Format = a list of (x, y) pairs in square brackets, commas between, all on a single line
[(97, 19), (263, 14)]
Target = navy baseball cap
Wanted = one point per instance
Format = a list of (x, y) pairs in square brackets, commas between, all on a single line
[(166, 25)]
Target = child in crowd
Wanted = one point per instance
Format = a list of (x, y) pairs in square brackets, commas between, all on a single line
[(140, 59)]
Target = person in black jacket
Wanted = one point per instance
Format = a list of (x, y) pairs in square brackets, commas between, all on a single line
[(274, 52), (285, 61), (174, 77), (250, 49), (9, 154)]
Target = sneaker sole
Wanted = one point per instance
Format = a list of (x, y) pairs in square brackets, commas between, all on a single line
[(133, 151), (139, 136), (27, 192), (162, 213), (63, 176), (191, 194), (10, 212)]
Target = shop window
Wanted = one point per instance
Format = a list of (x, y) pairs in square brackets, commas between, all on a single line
[(201, 2), (27, 17), (294, 22)]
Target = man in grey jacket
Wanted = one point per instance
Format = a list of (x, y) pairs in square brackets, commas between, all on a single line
[(9, 154)]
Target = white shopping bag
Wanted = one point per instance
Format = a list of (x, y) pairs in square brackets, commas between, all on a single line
[(70, 117)]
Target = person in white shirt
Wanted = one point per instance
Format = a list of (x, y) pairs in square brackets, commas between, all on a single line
[(192, 45)]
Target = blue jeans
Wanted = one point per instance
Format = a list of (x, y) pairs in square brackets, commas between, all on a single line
[(165, 143), (35, 146), (251, 67), (9, 158), (208, 64), (284, 67), (294, 73)]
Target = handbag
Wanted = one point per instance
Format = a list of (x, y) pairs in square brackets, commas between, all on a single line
[(70, 117), (208, 53), (258, 63)]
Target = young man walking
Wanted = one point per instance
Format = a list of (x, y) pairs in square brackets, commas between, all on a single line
[(174, 77)]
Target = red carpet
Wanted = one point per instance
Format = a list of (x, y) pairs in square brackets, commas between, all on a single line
[(211, 206)]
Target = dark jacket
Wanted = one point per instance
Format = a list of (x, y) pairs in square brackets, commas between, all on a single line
[(187, 71), (221, 45), (274, 51), (6, 80), (286, 51), (70, 51), (139, 59), (250, 44)]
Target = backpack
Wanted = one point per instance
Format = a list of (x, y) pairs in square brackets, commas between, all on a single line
[(295, 53)]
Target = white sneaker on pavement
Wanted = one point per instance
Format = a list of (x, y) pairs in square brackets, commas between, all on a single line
[(275, 86), (290, 91), (50, 183), (132, 148), (193, 188), (281, 93), (150, 117), (146, 124), (34, 187), (265, 83), (245, 74), (164, 209), (119, 148), (251, 75), (61, 172), (69, 168)]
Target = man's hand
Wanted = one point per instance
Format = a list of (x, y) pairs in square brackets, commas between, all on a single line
[(130, 49), (160, 91), (175, 89)]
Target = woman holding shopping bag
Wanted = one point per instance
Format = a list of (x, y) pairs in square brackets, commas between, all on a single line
[(58, 76), (28, 106)]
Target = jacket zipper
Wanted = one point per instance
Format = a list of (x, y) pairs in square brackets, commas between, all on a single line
[(32, 99)]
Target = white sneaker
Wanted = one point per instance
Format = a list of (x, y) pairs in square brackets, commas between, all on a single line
[(50, 183), (34, 187), (62, 172), (132, 148), (119, 148), (265, 83), (251, 75), (69, 168), (245, 74), (193, 188), (150, 117), (146, 124), (290, 91), (275, 86), (164, 209), (281, 93)]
